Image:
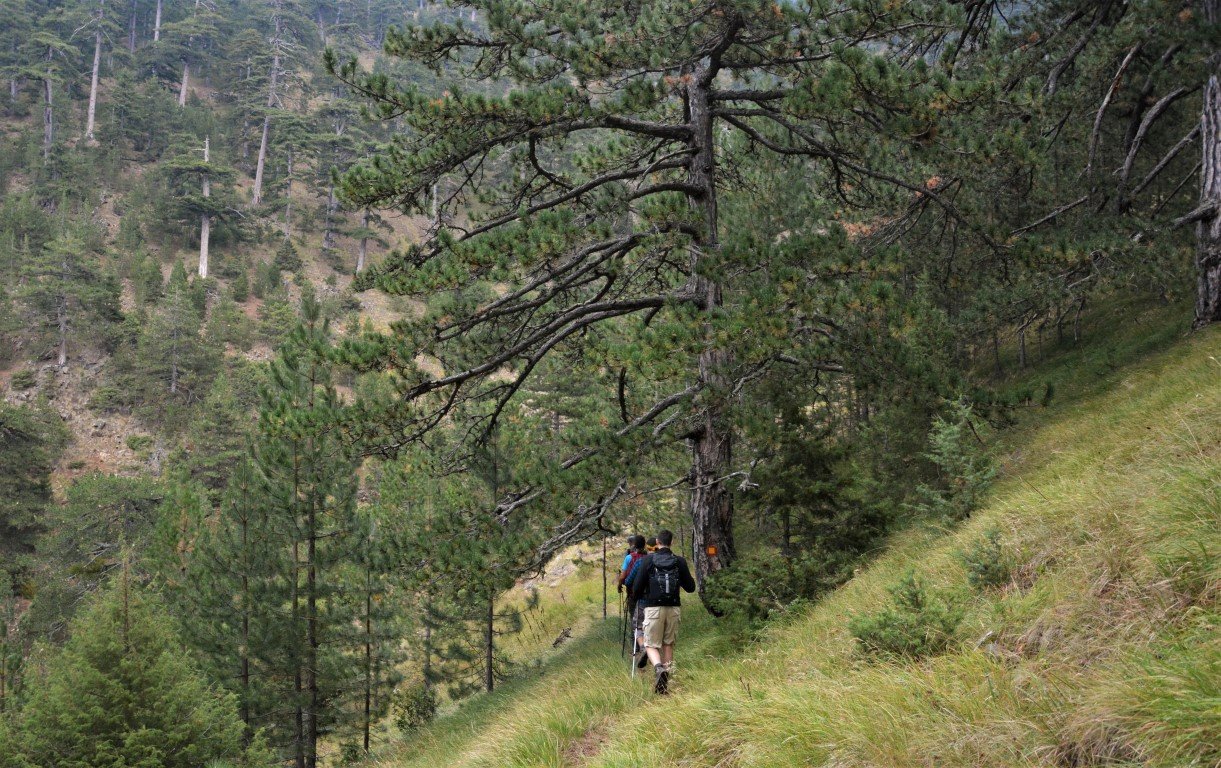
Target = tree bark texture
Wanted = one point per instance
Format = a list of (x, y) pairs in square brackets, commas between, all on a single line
[(157, 23), (182, 87), (711, 500), (1208, 228)]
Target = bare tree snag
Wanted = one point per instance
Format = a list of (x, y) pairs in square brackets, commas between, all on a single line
[(205, 220), (256, 195), (93, 83)]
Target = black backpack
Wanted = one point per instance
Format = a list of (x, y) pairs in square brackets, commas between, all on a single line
[(664, 580)]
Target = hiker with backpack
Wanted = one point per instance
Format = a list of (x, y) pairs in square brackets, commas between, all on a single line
[(639, 658), (631, 613), (659, 577)]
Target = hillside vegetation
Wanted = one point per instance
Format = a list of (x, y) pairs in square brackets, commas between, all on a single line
[(1099, 647), (344, 344)]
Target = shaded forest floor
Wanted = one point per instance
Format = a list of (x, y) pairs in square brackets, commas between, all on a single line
[(1101, 647)]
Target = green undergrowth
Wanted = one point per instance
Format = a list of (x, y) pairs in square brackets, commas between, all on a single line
[(1100, 647)]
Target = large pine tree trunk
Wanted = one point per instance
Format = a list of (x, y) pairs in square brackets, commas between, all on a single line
[(205, 220), (182, 87), (256, 195), (157, 23), (363, 252), (91, 111), (1208, 228), (711, 500)]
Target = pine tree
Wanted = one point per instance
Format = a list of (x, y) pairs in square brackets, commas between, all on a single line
[(86, 536), (202, 190), (122, 692), (282, 584), (65, 294), (31, 440), (612, 142), (172, 364), (217, 438)]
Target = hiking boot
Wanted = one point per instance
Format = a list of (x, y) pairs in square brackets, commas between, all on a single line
[(662, 684), (643, 661)]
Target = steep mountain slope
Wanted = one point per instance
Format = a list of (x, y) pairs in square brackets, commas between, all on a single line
[(1099, 647)]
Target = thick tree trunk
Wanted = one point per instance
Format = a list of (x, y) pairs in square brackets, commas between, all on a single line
[(93, 83), (256, 195), (363, 252), (205, 220), (182, 87), (711, 500), (157, 23), (1208, 229)]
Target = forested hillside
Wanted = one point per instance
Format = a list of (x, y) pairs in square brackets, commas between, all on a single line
[(336, 335)]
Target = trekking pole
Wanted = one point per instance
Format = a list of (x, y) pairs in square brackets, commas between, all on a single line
[(622, 628), (635, 650)]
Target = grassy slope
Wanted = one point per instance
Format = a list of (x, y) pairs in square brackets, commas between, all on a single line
[(1104, 650)]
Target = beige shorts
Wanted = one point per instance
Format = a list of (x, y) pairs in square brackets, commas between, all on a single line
[(661, 625)]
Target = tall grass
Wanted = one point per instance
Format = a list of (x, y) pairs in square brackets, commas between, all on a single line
[(1104, 648)]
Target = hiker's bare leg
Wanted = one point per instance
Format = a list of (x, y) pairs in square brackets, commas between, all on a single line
[(667, 654), (654, 654)]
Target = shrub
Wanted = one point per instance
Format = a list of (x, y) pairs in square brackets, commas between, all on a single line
[(964, 468), (239, 289), (287, 259), (413, 707), (987, 563), (758, 587), (139, 442), (24, 379), (351, 753), (915, 625)]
